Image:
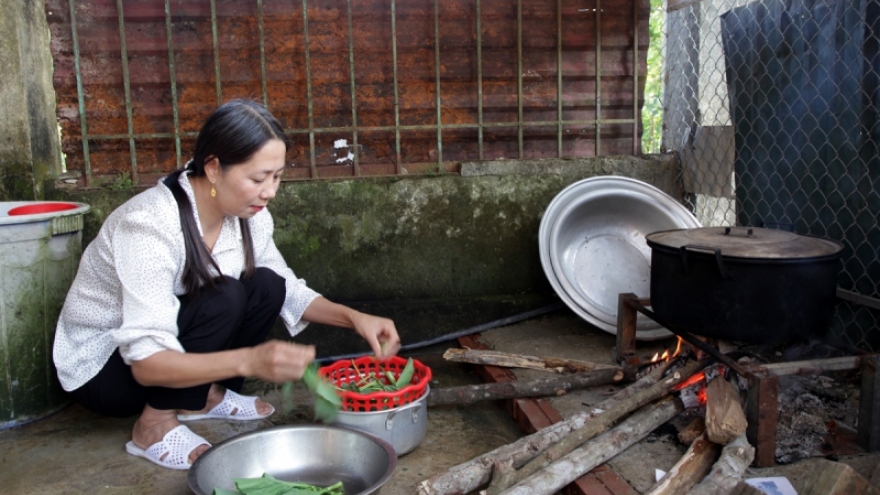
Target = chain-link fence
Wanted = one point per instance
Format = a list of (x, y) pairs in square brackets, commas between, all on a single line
[(773, 108)]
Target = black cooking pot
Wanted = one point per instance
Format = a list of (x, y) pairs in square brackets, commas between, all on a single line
[(751, 285)]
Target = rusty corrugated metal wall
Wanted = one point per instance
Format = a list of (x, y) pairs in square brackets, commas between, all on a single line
[(365, 87)]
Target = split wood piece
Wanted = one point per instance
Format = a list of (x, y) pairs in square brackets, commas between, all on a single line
[(558, 385), (597, 425), (555, 476), (469, 476), (810, 367), (836, 478), (692, 431), (693, 466), (728, 470), (509, 360), (725, 418)]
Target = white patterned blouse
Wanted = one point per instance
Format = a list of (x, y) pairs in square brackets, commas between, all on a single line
[(126, 290)]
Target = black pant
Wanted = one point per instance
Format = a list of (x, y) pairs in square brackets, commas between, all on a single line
[(233, 315)]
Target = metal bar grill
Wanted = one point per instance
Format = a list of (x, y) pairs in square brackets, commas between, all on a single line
[(598, 11), (312, 162), (438, 100), (519, 81), (127, 88), (263, 53), (559, 78), (354, 115), (397, 161), (84, 128), (218, 84), (635, 69), (480, 79), (173, 80), (219, 12)]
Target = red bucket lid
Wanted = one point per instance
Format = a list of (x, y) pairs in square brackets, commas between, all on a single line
[(41, 208)]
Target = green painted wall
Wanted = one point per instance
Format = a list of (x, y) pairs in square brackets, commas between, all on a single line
[(418, 237)]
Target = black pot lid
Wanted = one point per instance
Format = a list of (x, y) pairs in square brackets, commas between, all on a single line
[(747, 242)]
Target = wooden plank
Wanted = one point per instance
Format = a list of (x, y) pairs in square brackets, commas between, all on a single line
[(811, 367), (762, 414)]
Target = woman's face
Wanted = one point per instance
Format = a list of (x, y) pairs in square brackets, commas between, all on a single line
[(243, 190)]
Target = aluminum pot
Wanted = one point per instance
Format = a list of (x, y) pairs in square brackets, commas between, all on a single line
[(403, 427), (750, 285)]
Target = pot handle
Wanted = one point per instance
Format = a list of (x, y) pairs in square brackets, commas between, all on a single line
[(722, 269), (414, 406), (749, 233)]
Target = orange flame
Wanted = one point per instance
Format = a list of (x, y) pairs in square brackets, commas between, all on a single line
[(666, 356), (695, 378), (701, 396)]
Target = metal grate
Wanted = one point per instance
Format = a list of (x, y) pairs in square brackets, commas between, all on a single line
[(581, 63), (773, 108)]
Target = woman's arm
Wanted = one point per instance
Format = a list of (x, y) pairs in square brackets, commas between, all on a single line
[(273, 361), (379, 332)]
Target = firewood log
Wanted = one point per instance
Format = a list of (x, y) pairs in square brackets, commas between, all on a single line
[(725, 419), (600, 424), (470, 475), (728, 470), (509, 360), (555, 476), (689, 470), (470, 394)]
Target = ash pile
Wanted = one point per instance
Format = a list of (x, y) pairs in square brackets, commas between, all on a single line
[(818, 412)]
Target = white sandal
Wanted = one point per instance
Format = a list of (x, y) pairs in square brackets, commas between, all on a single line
[(177, 444), (245, 408)]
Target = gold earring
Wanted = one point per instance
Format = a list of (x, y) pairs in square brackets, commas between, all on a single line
[(213, 191)]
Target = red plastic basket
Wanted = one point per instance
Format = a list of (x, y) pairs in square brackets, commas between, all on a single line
[(346, 371)]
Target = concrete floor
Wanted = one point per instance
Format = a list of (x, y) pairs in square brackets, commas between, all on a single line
[(77, 452)]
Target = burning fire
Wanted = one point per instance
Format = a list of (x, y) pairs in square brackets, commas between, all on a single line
[(666, 356), (695, 386), (694, 379), (693, 390)]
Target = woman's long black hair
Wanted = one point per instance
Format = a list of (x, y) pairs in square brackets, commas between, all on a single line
[(233, 134)]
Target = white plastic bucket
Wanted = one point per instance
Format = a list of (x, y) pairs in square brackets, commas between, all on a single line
[(40, 248)]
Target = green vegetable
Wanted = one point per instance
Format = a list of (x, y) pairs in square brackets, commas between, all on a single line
[(267, 485), (287, 397), (406, 375), (327, 401), (371, 382)]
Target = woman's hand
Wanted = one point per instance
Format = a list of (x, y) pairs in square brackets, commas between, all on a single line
[(273, 361), (277, 361), (379, 332)]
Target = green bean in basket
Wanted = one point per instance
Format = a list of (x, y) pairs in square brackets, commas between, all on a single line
[(374, 382)]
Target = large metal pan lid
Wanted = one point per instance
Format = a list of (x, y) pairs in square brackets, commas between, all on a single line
[(747, 242), (592, 246)]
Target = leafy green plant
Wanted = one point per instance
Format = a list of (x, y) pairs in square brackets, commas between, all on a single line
[(327, 401), (652, 112), (124, 181)]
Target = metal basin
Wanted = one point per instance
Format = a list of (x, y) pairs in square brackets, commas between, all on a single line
[(592, 246), (315, 454)]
